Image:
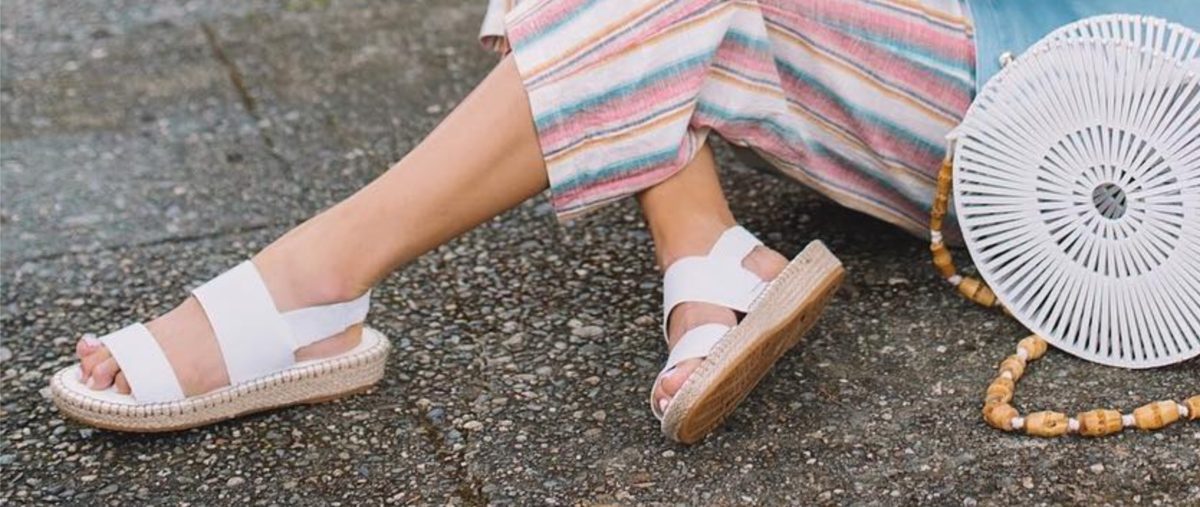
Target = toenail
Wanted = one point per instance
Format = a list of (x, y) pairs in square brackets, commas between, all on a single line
[(662, 404), (90, 340), (91, 383)]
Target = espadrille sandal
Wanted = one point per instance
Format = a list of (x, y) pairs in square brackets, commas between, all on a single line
[(775, 315), (258, 344)]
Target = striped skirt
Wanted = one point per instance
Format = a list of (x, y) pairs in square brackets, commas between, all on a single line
[(850, 97)]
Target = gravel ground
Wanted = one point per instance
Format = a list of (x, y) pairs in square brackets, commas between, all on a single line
[(147, 146)]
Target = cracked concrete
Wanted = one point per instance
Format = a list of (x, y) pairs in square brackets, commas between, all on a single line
[(248, 101), (148, 146)]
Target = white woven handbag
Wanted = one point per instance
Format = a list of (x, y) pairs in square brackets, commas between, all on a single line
[(1076, 182)]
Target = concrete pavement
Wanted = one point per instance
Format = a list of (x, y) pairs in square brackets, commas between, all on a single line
[(147, 146)]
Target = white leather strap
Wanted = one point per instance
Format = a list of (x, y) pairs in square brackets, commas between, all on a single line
[(734, 244), (695, 344), (254, 338), (150, 376), (717, 278), (316, 323)]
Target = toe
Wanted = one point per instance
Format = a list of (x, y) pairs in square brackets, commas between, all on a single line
[(87, 344), (673, 380), (104, 374), (122, 384), (89, 362), (765, 263), (684, 318)]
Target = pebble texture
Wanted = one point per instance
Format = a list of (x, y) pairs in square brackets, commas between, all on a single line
[(147, 146)]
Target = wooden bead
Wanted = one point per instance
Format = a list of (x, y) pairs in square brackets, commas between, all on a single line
[(999, 415), (942, 197), (1034, 346), (1046, 424), (1156, 415), (1099, 422), (977, 291), (938, 212), (1193, 405), (942, 261), (1014, 365), (1001, 391)]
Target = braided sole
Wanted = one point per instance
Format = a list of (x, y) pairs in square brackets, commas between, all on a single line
[(313, 382)]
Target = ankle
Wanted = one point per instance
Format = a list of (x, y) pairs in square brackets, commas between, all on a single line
[(696, 237), (299, 281)]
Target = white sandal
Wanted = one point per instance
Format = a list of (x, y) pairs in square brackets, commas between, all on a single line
[(777, 314), (258, 345)]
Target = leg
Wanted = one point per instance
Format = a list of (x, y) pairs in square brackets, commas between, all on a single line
[(686, 214), (482, 160)]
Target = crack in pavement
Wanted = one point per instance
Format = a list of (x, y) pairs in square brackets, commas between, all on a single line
[(249, 103), (170, 240), (469, 488)]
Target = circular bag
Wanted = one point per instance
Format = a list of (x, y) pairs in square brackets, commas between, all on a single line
[(1077, 187)]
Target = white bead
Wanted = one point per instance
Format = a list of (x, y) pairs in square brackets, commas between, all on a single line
[(1128, 420), (1018, 422), (935, 236), (1007, 374), (1022, 353), (1073, 425), (1183, 410), (955, 280)]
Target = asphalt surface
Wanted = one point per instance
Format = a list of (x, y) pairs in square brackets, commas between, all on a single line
[(148, 146)]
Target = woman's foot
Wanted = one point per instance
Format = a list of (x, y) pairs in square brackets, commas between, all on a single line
[(191, 347), (483, 159), (762, 261)]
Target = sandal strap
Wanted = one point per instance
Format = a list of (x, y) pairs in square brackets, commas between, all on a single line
[(717, 278), (695, 344), (253, 336), (315, 323), (734, 244), (146, 368)]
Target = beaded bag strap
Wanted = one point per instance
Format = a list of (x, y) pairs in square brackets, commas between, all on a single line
[(998, 411)]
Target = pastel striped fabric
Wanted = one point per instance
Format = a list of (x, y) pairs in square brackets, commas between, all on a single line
[(850, 97)]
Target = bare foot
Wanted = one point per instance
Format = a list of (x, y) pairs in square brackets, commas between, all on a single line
[(191, 347), (762, 261)]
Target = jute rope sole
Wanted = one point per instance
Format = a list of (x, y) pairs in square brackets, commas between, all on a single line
[(312, 382), (784, 312)]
